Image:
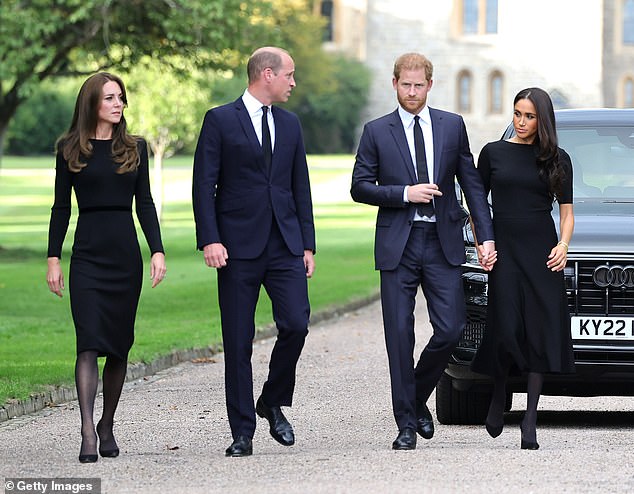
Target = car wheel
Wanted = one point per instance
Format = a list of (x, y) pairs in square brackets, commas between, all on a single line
[(460, 407)]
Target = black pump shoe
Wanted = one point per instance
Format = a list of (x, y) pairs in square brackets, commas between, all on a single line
[(494, 430), (112, 451), (109, 453), (527, 444)]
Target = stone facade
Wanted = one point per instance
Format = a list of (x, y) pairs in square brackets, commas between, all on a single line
[(567, 47)]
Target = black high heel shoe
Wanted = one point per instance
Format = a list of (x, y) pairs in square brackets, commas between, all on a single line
[(494, 430), (527, 444), (111, 452), (86, 458)]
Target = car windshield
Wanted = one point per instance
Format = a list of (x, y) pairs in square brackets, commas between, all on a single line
[(603, 161)]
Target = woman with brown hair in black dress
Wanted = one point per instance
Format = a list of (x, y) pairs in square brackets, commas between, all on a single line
[(528, 325), (108, 168)]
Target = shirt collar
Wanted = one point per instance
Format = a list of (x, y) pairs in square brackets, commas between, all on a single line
[(253, 105), (408, 118)]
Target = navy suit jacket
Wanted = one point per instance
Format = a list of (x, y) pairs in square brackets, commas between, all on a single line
[(235, 200), (383, 168)]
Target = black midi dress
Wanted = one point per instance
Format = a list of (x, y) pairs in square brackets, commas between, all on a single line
[(528, 323), (106, 268)]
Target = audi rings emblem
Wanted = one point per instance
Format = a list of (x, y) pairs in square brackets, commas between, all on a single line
[(616, 276)]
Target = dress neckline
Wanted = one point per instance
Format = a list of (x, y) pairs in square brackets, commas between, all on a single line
[(519, 143)]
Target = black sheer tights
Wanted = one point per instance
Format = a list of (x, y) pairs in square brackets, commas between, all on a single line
[(529, 422), (87, 380), (495, 416)]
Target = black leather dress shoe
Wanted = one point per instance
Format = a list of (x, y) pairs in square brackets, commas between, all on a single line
[(424, 422), (281, 429), (406, 439), (241, 446)]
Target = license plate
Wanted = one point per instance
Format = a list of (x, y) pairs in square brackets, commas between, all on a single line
[(602, 328)]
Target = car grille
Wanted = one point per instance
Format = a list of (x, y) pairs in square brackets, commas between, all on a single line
[(584, 297)]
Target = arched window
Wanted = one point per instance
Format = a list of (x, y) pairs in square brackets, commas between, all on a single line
[(628, 92), (628, 22), (496, 92), (465, 83)]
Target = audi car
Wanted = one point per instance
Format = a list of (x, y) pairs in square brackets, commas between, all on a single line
[(599, 275)]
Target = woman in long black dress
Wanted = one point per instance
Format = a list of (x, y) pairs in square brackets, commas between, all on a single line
[(107, 167), (528, 325)]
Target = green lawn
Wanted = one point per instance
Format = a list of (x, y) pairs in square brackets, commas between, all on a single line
[(37, 342)]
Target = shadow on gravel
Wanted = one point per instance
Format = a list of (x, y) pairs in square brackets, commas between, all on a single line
[(574, 418)]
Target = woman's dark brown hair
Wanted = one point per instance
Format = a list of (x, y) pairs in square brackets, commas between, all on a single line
[(550, 168), (75, 144)]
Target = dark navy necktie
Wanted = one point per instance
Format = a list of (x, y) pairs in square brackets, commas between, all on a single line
[(266, 139), (424, 209)]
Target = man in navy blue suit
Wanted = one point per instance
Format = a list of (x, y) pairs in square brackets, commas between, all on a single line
[(406, 164), (254, 223)]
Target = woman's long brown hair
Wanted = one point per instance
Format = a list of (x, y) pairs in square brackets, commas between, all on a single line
[(550, 168), (75, 143)]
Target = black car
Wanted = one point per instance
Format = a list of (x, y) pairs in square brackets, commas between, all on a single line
[(599, 275)]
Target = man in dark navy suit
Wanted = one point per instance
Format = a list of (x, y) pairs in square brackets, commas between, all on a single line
[(254, 223), (406, 164)]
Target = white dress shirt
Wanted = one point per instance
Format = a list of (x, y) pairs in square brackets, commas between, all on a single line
[(254, 108)]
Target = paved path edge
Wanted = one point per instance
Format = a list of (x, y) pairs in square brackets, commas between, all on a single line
[(138, 370)]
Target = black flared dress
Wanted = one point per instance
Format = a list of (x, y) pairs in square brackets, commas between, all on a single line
[(106, 267), (528, 324)]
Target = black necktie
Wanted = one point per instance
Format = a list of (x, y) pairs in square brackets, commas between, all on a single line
[(424, 209), (266, 139)]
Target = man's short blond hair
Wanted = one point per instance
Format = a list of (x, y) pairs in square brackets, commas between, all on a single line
[(413, 61)]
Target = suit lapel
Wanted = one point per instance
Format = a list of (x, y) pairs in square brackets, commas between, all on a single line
[(247, 126), (439, 138), (396, 128)]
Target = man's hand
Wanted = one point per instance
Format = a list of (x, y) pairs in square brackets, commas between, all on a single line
[(215, 255), (487, 255), (309, 263), (422, 192)]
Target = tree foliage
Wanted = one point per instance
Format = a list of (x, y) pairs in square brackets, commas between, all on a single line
[(40, 120), (41, 39), (331, 89), (166, 110)]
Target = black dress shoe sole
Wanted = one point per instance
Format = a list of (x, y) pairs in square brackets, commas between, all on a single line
[(238, 454), (403, 447)]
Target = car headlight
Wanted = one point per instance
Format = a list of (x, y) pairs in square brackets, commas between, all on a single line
[(472, 256)]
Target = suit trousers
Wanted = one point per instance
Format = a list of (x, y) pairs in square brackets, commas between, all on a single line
[(423, 263), (283, 276)]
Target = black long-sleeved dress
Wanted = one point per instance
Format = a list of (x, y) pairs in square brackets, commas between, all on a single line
[(106, 268), (528, 324)]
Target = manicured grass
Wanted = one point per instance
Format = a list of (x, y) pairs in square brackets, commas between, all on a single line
[(37, 340)]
